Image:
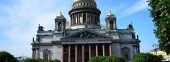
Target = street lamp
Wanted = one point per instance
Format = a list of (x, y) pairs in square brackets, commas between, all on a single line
[(156, 46)]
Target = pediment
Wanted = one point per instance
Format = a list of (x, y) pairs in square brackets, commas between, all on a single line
[(87, 34)]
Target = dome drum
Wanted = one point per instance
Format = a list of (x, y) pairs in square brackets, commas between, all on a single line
[(84, 1), (97, 11), (85, 12), (84, 4)]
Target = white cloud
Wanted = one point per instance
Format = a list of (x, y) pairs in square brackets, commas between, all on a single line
[(22, 22), (142, 4)]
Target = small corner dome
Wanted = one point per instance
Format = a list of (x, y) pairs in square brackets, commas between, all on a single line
[(110, 15), (60, 16)]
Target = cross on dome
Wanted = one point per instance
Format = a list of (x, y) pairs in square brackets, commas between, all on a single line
[(110, 13), (60, 14)]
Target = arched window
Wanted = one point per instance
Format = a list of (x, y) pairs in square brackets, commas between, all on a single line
[(59, 26), (111, 24), (46, 54), (126, 52)]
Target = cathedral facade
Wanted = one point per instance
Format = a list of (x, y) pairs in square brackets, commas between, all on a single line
[(84, 38)]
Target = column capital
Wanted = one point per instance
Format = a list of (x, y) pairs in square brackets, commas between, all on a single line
[(38, 48), (33, 48)]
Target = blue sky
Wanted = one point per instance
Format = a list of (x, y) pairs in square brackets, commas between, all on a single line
[(19, 20)]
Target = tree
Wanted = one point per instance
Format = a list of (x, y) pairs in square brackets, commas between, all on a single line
[(160, 12), (107, 59), (56, 60), (146, 57), (7, 57), (33, 60), (40, 60)]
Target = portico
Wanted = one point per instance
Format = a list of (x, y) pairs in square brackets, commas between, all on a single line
[(83, 52), (83, 45)]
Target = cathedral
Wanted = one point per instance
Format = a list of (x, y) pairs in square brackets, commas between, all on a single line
[(84, 38)]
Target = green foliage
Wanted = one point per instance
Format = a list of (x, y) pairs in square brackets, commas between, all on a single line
[(39, 60), (56, 60), (7, 57), (116, 59), (161, 57), (146, 57), (33, 60), (160, 12), (107, 59)]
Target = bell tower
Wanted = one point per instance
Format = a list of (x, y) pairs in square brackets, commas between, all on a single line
[(85, 12), (60, 22), (111, 21)]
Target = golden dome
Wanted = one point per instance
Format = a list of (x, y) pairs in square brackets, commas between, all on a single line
[(84, 0), (60, 14), (75, 0)]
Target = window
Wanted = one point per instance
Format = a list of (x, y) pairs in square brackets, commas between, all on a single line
[(59, 26), (111, 24), (126, 52), (46, 54)]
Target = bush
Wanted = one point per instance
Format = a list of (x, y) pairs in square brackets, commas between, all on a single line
[(98, 59), (107, 59), (33, 60), (116, 59), (39, 60), (146, 57), (56, 60), (7, 57)]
